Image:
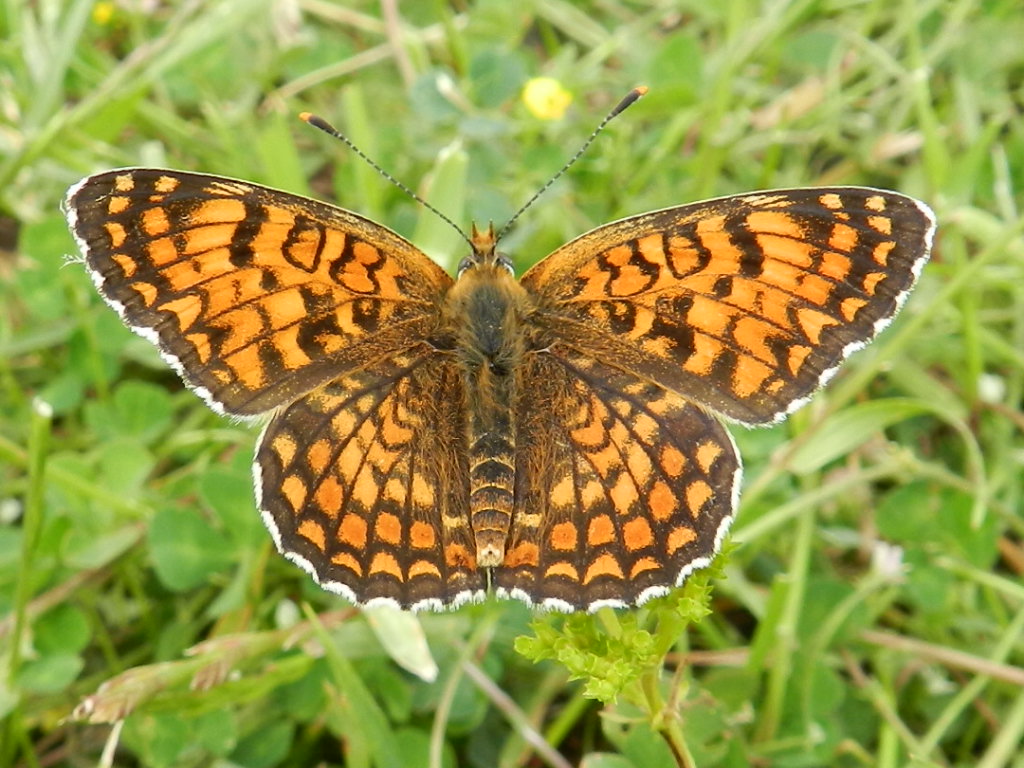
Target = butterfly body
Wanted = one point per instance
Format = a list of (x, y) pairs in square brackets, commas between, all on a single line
[(554, 439), (486, 306)]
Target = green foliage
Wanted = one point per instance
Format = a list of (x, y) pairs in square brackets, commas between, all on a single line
[(613, 651), (872, 613), (608, 661)]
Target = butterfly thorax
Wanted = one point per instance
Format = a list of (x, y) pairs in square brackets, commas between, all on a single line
[(486, 311)]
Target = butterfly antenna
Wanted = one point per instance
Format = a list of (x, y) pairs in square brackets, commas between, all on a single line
[(628, 101), (318, 122)]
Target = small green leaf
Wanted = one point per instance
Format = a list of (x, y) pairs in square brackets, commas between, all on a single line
[(91, 549), (64, 391), (137, 409), (917, 515), (906, 514), (821, 597), (51, 673), (40, 282), (978, 545), (390, 684), (468, 707), (186, 550), (641, 745), (63, 629), (732, 687), (216, 731), (143, 410), (124, 465), (304, 699), (228, 492), (930, 588), (496, 76), (401, 635), (827, 691), (157, 739), (266, 746)]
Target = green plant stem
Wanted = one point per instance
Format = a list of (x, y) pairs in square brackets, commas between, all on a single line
[(665, 722)]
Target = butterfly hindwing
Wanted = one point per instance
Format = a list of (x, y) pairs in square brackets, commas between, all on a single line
[(363, 483), (623, 487)]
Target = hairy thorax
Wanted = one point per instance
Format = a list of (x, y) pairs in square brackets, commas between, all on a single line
[(487, 311)]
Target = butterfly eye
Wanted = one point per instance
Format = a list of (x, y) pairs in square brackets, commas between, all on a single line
[(506, 262), (465, 264)]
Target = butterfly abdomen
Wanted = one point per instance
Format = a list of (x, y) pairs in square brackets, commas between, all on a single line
[(491, 483)]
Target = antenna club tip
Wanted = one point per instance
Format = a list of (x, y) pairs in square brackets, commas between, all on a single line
[(628, 101), (317, 122)]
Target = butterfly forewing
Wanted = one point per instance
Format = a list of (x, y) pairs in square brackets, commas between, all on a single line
[(745, 304), (255, 296)]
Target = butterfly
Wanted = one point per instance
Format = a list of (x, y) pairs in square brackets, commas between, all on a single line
[(556, 439)]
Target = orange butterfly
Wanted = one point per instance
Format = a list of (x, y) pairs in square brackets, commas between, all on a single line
[(557, 438)]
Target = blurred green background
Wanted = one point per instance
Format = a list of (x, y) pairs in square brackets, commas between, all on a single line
[(869, 609)]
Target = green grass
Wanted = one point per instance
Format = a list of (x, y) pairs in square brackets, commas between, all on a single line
[(870, 609)]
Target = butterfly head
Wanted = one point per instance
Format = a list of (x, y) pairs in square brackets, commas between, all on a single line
[(485, 252)]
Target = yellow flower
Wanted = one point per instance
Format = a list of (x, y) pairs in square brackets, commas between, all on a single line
[(102, 13), (546, 98)]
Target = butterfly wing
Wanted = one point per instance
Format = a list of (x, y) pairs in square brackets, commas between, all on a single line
[(364, 483), (623, 487), (255, 296), (745, 304)]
